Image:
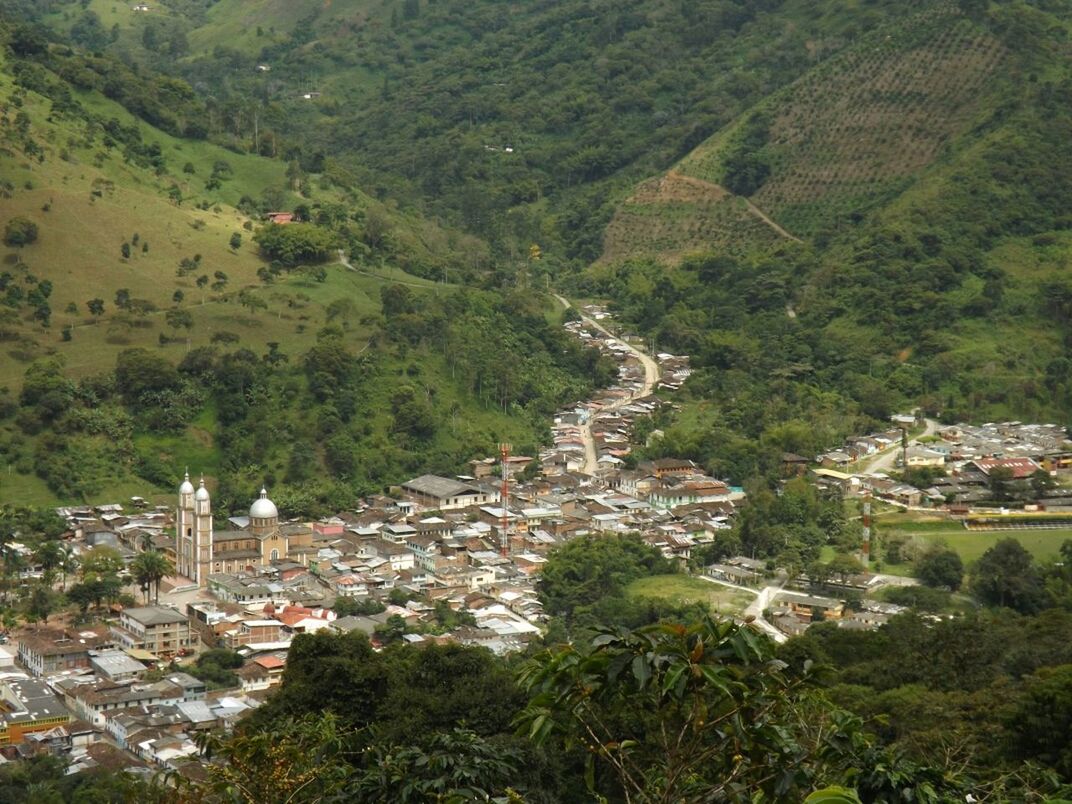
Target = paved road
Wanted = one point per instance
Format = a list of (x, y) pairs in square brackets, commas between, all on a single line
[(651, 377), (755, 608), (885, 460)]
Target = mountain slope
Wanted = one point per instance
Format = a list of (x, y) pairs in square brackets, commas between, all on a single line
[(848, 135), (287, 373)]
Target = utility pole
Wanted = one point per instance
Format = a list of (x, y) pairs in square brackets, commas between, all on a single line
[(504, 498)]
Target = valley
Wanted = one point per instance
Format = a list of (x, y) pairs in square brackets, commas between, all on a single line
[(560, 401)]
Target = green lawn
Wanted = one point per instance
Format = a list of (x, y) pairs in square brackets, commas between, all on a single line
[(686, 589), (970, 544)]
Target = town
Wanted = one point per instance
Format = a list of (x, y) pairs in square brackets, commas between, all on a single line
[(195, 632)]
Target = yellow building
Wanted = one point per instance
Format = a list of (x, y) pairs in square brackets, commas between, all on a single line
[(28, 706)]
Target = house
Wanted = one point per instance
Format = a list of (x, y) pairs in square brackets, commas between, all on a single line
[(922, 456), (809, 608), (668, 467), (158, 629), (28, 706), (280, 218), (1019, 468), (238, 588), (432, 492), (253, 632), (44, 651), (115, 665)]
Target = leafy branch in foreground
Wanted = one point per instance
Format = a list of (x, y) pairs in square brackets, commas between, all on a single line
[(676, 713)]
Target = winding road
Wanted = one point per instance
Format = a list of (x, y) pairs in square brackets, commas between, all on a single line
[(885, 460), (651, 377)]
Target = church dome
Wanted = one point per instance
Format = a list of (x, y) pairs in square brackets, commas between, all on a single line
[(263, 508), (202, 492), (187, 487)]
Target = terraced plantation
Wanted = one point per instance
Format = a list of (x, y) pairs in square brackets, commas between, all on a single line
[(669, 216), (850, 134)]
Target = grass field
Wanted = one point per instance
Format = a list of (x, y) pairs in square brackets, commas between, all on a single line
[(686, 589), (969, 544)]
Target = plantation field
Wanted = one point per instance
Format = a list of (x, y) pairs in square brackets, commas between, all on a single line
[(672, 215), (851, 133), (686, 589)]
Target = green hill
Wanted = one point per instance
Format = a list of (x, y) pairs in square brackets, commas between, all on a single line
[(847, 136), (923, 177), (135, 264)]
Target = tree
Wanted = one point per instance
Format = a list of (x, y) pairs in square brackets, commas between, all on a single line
[(1041, 482), (84, 594), (42, 604), (843, 565), (125, 251), (122, 299), (1041, 719), (49, 554), (221, 281), (675, 713), (584, 571), (1000, 482), (20, 232), (100, 561), (941, 568), (68, 564), (95, 307), (1006, 575), (307, 758), (149, 569), (179, 319), (236, 241), (251, 301), (177, 297), (296, 243), (201, 282)]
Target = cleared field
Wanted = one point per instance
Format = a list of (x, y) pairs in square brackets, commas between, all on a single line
[(670, 216), (686, 589), (969, 544)]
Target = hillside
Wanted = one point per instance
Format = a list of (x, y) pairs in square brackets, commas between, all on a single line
[(144, 259), (926, 183), (847, 136), (522, 123)]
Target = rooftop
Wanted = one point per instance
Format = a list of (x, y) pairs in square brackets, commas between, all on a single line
[(435, 486)]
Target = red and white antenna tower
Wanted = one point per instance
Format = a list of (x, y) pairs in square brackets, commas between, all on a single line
[(866, 549), (504, 501)]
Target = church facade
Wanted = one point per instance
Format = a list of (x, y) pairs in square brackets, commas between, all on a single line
[(202, 551)]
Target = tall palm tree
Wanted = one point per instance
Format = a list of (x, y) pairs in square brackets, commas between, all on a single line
[(149, 568)]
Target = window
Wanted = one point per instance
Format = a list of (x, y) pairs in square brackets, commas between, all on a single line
[(275, 555)]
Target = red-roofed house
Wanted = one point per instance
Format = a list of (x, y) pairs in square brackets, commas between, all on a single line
[(280, 217), (1020, 467), (274, 665)]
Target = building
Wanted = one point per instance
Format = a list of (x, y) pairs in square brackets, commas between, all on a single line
[(193, 529), (28, 706), (258, 541), (159, 630), (53, 650), (443, 494), (1018, 468), (115, 665)]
